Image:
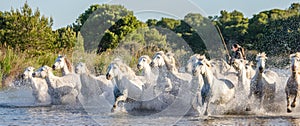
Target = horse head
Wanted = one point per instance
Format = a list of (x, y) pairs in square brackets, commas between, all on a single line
[(42, 72), (238, 64), (143, 61), (158, 60), (201, 66), (28, 72), (261, 60), (295, 62), (62, 63), (192, 60), (81, 68), (59, 62)]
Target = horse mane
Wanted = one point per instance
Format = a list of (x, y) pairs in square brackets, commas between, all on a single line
[(124, 68), (261, 55), (69, 64), (159, 53), (203, 58)]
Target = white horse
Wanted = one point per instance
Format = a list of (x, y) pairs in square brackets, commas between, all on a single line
[(63, 90), (219, 67), (263, 83), (150, 75), (39, 86), (63, 64), (250, 71), (126, 83), (292, 85), (213, 90), (94, 85), (243, 81), (167, 72)]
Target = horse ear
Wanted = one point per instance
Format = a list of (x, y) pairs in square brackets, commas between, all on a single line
[(257, 56), (208, 63)]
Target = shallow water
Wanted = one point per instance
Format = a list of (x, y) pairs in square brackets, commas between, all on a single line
[(17, 107)]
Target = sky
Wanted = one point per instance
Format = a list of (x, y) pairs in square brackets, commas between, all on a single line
[(65, 12)]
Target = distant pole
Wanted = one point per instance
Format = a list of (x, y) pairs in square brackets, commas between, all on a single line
[(223, 41)]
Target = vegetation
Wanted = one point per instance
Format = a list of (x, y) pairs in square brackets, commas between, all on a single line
[(103, 32)]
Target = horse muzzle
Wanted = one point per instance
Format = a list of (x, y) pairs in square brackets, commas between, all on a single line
[(23, 76), (139, 66), (152, 64), (261, 69), (108, 77), (33, 75), (53, 67)]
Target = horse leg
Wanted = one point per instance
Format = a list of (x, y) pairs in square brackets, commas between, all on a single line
[(122, 97), (293, 105), (288, 109), (261, 100), (206, 108)]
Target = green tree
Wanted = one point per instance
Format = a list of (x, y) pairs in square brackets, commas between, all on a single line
[(233, 26), (26, 30), (118, 31), (95, 22), (274, 28), (66, 39), (168, 23)]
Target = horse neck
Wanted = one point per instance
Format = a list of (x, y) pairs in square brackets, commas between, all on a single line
[(172, 68), (258, 74), (147, 71), (65, 70), (163, 69), (208, 76), (242, 74)]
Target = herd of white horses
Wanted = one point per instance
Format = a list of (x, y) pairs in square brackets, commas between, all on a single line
[(212, 82)]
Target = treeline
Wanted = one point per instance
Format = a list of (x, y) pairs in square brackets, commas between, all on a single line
[(27, 37)]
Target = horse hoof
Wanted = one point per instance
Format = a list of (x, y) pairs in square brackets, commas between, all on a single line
[(289, 110), (293, 105), (205, 113)]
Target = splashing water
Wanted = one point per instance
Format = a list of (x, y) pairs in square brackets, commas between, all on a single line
[(17, 107)]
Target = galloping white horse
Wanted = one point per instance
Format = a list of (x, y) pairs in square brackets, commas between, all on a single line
[(219, 67), (292, 85), (93, 85), (63, 64), (39, 86), (167, 73), (250, 71), (263, 83), (63, 90), (126, 83), (243, 81), (213, 90), (144, 64)]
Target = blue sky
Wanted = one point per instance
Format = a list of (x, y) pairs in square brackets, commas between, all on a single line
[(65, 12)]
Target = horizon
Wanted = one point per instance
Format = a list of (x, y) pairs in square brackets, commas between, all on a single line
[(143, 12)]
